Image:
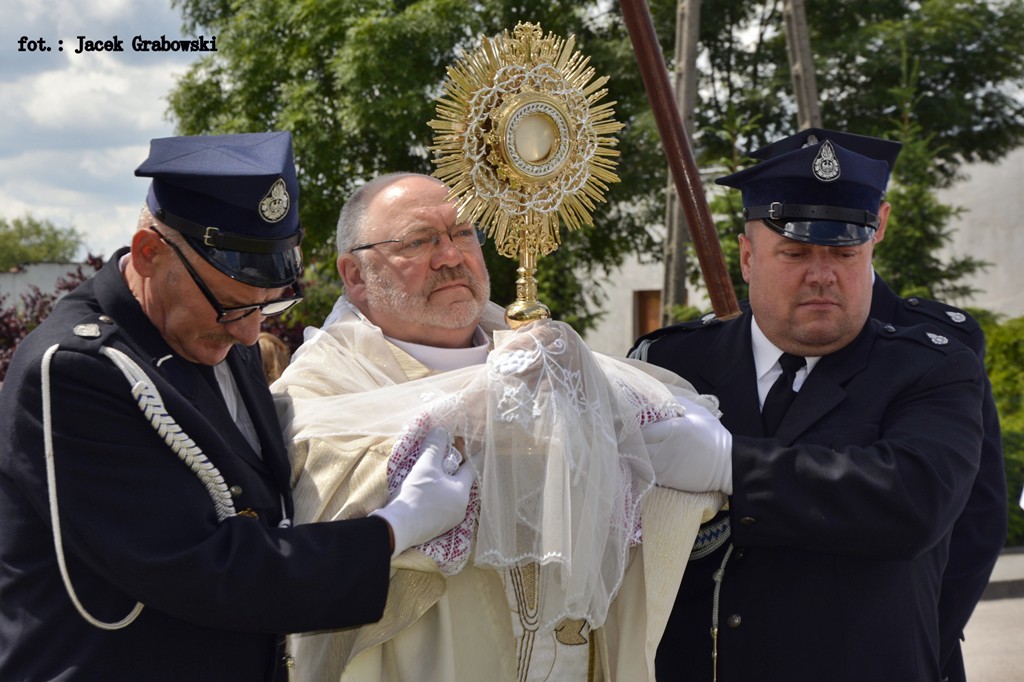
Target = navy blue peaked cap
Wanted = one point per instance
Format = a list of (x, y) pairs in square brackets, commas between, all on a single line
[(872, 147), (234, 198), (818, 186)]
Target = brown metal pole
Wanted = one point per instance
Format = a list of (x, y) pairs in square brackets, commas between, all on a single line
[(680, 158)]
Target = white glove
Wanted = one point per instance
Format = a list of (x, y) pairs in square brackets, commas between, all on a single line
[(429, 502), (692, 452)]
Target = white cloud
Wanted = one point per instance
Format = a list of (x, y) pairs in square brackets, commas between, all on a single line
[(94, 192), (107, 95), (75, 126), (72, 16)]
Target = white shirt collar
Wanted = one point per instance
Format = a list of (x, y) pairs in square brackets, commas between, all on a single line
[(448, 359), (766, 362)]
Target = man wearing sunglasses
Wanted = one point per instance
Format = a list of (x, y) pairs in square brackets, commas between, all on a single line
[(144, 486)]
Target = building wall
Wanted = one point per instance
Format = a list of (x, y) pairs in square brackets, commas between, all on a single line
[(615, 333), (42, 275), (990, 230)]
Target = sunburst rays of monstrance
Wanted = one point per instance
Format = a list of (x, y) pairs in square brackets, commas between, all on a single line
[(523, 145)]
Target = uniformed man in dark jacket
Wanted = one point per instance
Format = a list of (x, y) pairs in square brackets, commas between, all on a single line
[(855, 446), (979, 534), (144, 488)]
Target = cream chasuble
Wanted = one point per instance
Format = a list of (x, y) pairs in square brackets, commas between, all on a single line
[(569, 558)]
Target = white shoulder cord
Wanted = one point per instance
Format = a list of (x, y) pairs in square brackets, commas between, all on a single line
[(152, 406)]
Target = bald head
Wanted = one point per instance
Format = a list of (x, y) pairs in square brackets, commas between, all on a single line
[(352, 222)]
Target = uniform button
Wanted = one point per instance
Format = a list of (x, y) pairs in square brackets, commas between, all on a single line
[(738, 554), (913, 301), (106, 319), (734, 621), (889, 328), (235, 490), (748, 521)]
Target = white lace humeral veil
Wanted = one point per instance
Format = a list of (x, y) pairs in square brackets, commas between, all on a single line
[(564, 483)]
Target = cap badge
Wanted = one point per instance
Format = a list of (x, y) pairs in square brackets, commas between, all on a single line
[(956, 316), (275, 203), (938, 339), (826, 165)]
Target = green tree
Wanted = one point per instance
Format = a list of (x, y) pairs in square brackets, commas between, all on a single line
[(919, 223), (908, 71), (30, 240), (355, 80), (967, 72), (1004, 361)]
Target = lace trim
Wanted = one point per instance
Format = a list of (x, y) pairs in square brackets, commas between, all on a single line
[(450, 550)]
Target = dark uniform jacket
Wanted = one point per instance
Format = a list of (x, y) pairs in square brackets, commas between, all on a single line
[(979, 535), (841, 522), (137, 525)]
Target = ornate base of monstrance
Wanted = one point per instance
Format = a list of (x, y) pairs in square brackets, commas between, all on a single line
[(526, 307)]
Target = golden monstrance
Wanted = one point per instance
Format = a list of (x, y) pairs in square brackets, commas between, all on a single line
[(523, 144)]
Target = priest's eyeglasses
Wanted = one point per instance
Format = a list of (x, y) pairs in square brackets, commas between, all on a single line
[(229, 314), (422, 242)]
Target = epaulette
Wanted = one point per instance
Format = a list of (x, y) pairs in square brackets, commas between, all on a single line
[(639, 349), (925, 334), (89, 333), (942, 314), (702, 322)]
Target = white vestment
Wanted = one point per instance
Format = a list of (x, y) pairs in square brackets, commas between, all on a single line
[(564, 492)]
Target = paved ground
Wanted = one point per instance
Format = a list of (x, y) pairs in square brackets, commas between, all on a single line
[(994, 639)]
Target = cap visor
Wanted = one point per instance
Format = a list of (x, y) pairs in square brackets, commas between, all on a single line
[(822, 232), (266, 270)]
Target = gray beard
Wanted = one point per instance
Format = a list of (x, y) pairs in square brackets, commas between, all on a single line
[(416, 307)]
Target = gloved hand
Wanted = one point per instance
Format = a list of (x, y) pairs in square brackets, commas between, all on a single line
[(428, 502), (692, 452)]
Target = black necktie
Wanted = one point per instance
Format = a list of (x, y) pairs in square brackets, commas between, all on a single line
[(781, 394)]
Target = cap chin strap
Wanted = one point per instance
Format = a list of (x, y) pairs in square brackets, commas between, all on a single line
[(789, 212), (226, 241)]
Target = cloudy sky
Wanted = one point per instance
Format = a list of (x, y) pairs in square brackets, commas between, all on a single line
[(75, 126)]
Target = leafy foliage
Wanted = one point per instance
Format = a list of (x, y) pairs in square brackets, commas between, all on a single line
[(869, 84), (30, 240), (16, 321), (967, 74), (1004, 360), (355, 81), (919, 223), (321, 287)]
